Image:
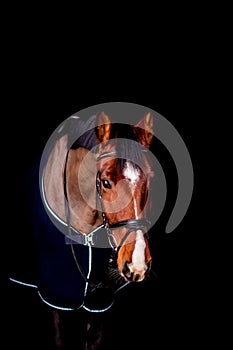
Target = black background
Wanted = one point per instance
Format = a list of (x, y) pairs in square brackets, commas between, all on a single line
[(44, 85)]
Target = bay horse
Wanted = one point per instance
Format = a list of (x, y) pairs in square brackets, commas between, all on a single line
[(97, 194)]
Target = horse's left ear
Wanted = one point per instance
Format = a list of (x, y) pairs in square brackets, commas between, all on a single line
[(144, 130), (103, 128)]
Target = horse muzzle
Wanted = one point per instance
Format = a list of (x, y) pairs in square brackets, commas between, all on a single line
[(131, 274)]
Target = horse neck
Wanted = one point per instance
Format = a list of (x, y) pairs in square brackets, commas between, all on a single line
[(81, 189), (80, 174)]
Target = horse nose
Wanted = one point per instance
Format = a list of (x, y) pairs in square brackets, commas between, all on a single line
[(132, 276)]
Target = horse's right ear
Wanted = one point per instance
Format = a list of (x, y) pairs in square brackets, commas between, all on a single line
[(144, 130), (103, 128)]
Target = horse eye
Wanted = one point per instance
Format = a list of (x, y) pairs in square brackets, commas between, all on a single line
[(106, 184)]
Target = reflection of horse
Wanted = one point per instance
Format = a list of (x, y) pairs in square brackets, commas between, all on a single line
[(97, 196)]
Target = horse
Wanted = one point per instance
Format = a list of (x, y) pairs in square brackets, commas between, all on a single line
[(97, 194)]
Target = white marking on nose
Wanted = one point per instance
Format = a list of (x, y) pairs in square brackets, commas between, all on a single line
[(138, 256), (132, 174)]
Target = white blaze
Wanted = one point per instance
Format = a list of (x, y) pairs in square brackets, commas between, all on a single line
[(131, 173), (138, 257)]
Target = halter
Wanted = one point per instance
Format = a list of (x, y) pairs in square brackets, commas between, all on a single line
[(88, 239)]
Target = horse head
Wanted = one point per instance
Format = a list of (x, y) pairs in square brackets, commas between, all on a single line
[(123, 187)]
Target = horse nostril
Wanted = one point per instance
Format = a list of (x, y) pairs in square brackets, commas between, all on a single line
[(126, 271)]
